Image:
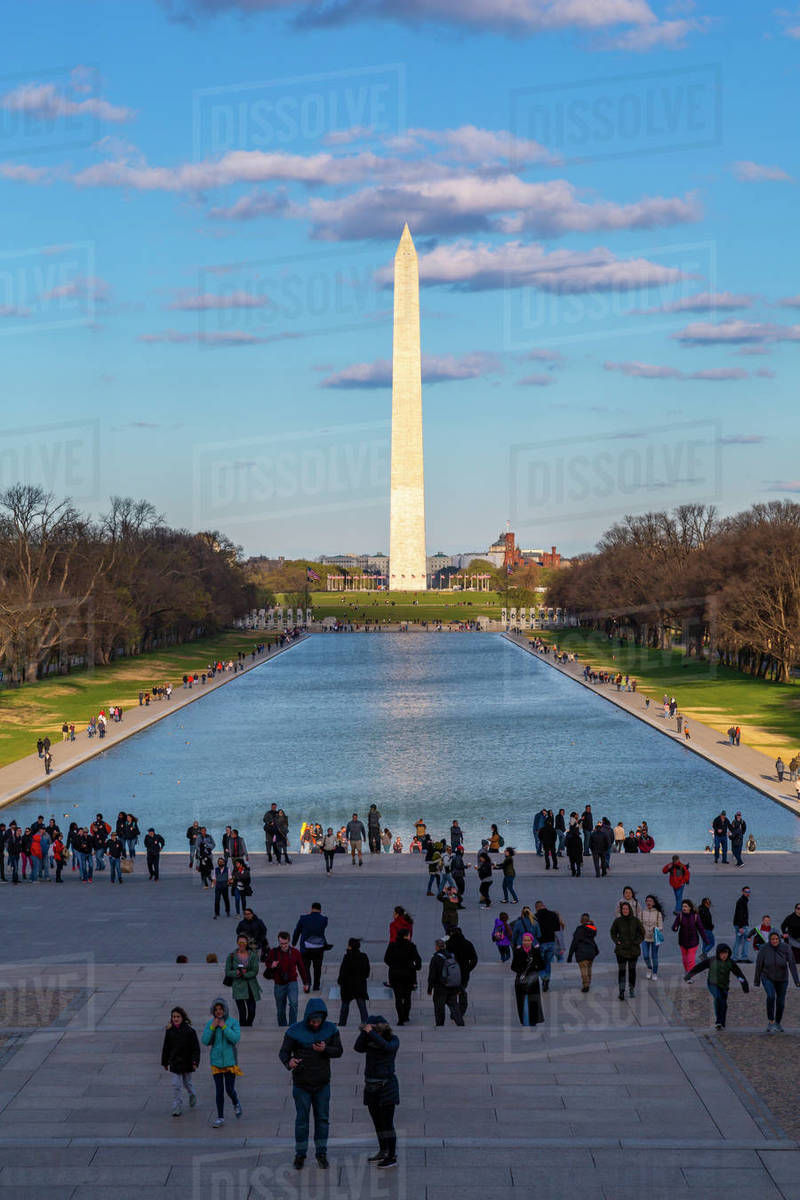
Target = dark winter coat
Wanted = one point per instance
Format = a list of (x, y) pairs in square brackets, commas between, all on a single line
[(741, 913), (181, 1050), (403, 960), (380, 1052), (775, 963), (314, 1069), (627, 934), (583, 947), (353, 975), (689, 929)]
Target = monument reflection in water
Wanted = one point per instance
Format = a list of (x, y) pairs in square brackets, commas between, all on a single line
[(422, 724)]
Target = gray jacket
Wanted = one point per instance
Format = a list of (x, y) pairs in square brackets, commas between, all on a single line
[(775, 963)]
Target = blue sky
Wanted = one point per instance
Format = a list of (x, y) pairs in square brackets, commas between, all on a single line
[(202, 203)]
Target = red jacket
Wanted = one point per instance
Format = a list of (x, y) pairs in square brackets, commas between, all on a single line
[(285, 965), (678, 874), (397, 924)]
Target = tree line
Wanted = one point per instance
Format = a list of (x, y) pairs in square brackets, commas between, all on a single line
[(725, 588), (79, 592)]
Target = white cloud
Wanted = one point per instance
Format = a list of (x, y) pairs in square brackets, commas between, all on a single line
[(227, 337), (436, 368), (640, 370), (790, 302), (205, 301), (535, 381), (702, 302), (476, 267), (23, 173), (44, 102), (82, 287), (752, 172), (701, 333)]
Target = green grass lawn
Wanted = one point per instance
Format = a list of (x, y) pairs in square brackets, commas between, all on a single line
[(407, 606), (40, 708), (768, 713)]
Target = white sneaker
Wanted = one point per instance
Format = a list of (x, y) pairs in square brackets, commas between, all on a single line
[(648, 975), (218, 1122), (655, 978)]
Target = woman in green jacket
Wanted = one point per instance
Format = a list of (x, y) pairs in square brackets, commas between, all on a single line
[(627, 934), (241, 968)]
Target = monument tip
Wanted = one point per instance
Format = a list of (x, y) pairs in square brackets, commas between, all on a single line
[(405, 237)]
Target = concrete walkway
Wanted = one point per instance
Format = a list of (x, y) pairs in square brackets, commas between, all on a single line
[(615, 1100), (27, 774), (751, 766)]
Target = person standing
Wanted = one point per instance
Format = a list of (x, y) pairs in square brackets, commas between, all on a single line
[(270, 824), (690, 934), (329, 843), (222, 1034), (221, 887), (352, 980), (574, 847), (598, 847), (283, 964), (240, 884), (790, 928), (583, 948), (374, 829), (281, 842), (153, 844), (780, 768), (774, 962), (444, 984), (707, 921), (619, 837), (403, 960), (587, 826), (561, 830), (741, 925), (307, 1049), (679, 876), (310, 933), (400, 920), (538, 822), (356, 836), (720, 968), (192, 834), (721, 827), (652, 918), (627, 934), (381, 1090), (180, 1055), (241, 971), (456, 836), (501, 936), (548, 839), (738, 830), (448, 898), (114, 850), (255, 931), (526, 963), (131, 835)]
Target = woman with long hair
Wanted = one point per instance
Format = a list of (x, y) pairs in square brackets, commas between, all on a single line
[(180, 1055), (652, 918), (526, 964), (381, 1092), (690, 933)]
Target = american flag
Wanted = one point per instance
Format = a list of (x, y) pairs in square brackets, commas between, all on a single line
[(311, 575)]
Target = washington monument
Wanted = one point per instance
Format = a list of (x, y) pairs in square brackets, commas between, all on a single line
[(407, 562)]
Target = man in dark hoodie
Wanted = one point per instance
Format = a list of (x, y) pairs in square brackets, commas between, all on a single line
[(308, 1046), (720, 968)]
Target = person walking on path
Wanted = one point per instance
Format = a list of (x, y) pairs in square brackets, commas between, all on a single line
[(283, 964), (180, 1055), (448, 898), (484, 867), (526, 963), (307, 1049), (652, 918), (741, 925), (549, 924), (627, 934), (587, 827), (548, 840), (400, 920), (707, 921), (467, 958), (721, 827), (114, 851), (780, 768), (456, 836), (679, 876), (403, 961), (434, 861), (153, 844), (255, 931), (720, 968), (573, 843), (374, 829), (774, 963), (356, 836), (738, 830), (583, 948), (539, 821), (192, 834), (241, 974), (310, 933), (352, 981), (444, 983), (329, 844), (222, 1034), (509, 875), (501, 936), (790, 928), (689, 929), (525, 923), (381, 1091), (221, 887), (270, 823)]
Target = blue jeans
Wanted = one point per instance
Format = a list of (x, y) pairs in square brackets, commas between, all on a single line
[(650, 955), (130, 846), (116, 869), (740, 944), (284, 992), (547, 949), (587, 833), (36, 864), (304, 1101), (736, 851), (707, 946), (776, 997), (720, 843), (433, 879), (720, 998), (678, 897), (561, 840), (508, 889), (99, 855), (536, 842)]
